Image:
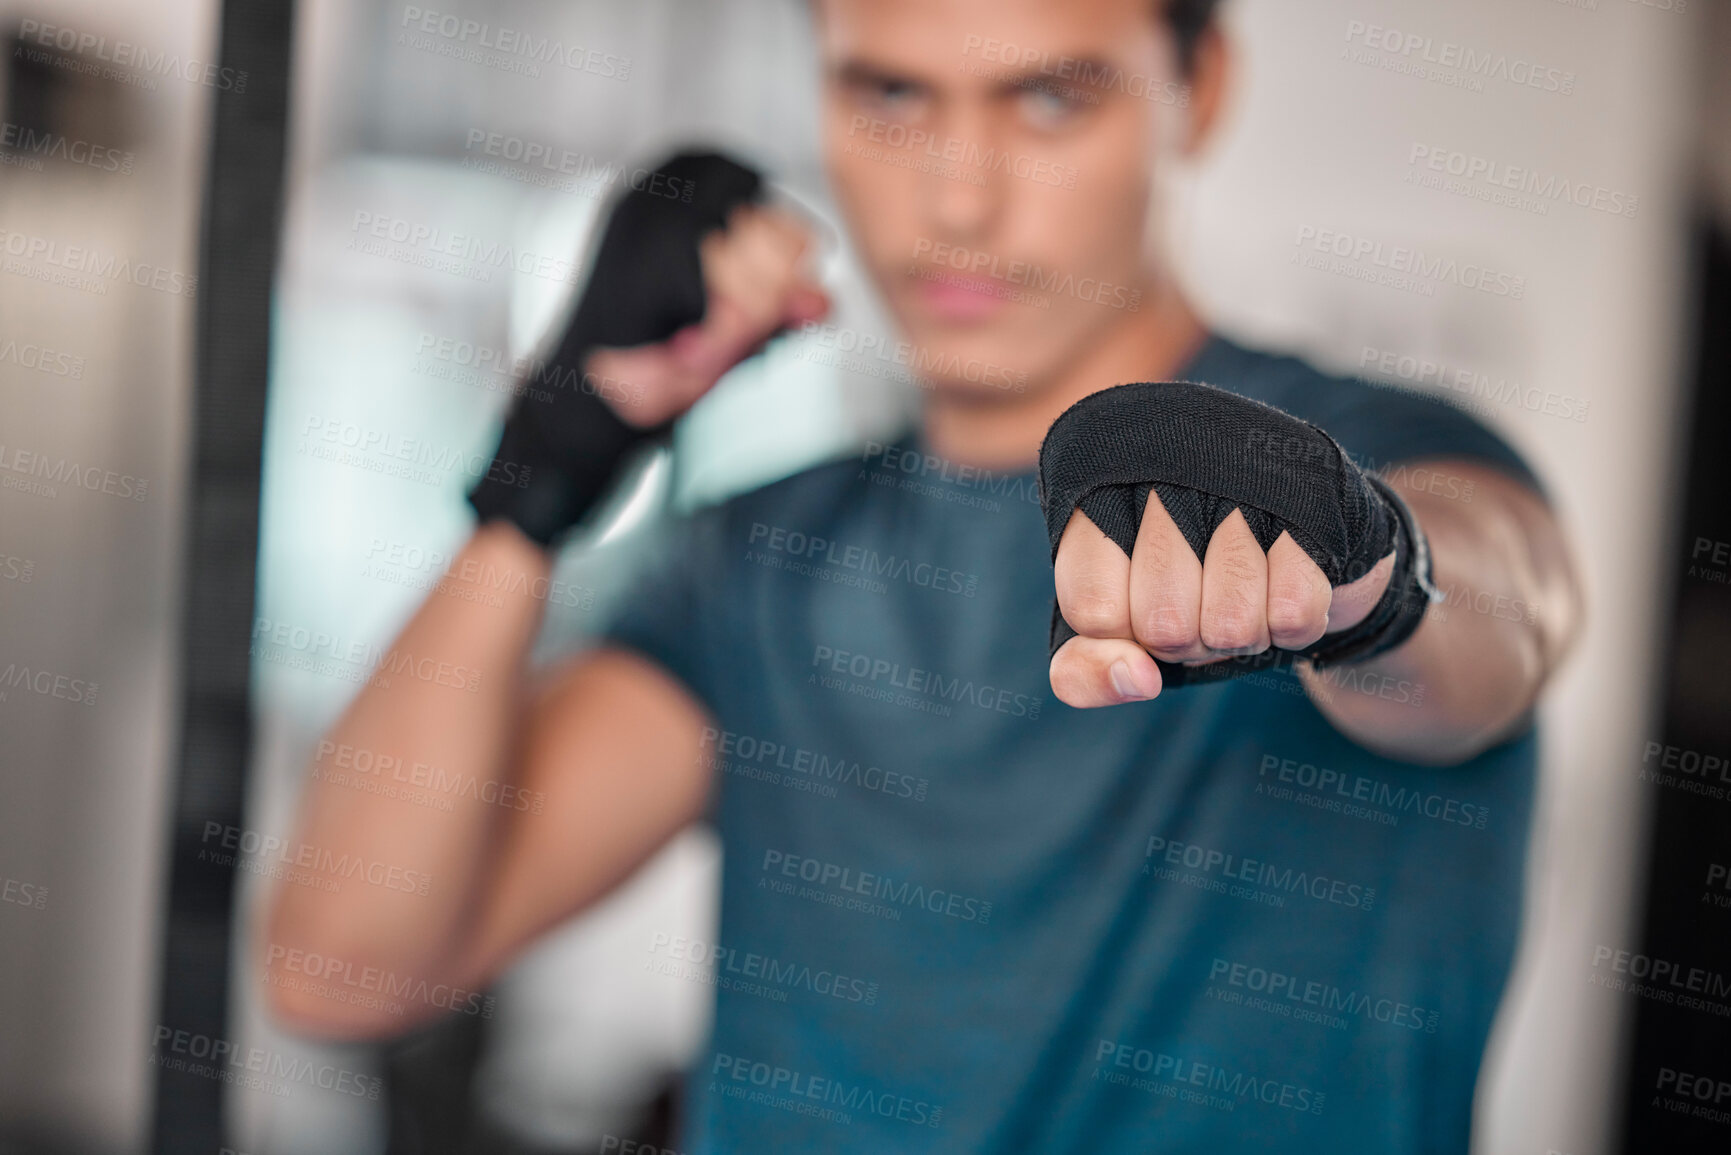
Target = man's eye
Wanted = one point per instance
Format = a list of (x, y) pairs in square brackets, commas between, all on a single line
[(895, 96), (1050, 107)]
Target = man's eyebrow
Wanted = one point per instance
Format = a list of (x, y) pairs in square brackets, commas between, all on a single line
[(1058, 69), (855, 71)]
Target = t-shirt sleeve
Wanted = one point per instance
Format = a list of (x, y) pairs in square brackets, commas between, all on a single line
[(665, 616), (1384, 427)]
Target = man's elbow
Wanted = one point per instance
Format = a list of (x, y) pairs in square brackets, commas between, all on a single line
[(310, 988)]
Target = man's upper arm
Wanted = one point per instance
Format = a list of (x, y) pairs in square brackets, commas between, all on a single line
[(612, 766)]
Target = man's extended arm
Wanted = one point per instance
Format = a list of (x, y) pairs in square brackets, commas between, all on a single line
[(1199, 535), (1511, 608)]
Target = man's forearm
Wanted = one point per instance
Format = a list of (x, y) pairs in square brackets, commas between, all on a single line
[(481, 619), (1474, 667)]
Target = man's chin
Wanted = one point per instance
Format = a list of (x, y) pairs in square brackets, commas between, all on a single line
[(968, 363)]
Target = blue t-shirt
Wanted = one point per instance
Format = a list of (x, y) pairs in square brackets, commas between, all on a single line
[(958, 915)]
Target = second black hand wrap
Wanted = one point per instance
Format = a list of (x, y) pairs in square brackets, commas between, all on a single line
[(1206, 452), (557, 456)]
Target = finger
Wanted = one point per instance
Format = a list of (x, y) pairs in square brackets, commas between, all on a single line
[(806, 302), (643, 385), (756, 270), (1091, 672), (1234, 590), (1298, 595), (1165, 588), (1092, 577), (1352, 602)]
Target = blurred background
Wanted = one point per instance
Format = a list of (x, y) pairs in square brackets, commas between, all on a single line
[(1600, 373)]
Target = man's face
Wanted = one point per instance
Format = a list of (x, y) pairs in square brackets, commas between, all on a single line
[(994, 159)]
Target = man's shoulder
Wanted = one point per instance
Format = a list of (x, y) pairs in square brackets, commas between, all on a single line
[(1377, 422), (1297, 385)]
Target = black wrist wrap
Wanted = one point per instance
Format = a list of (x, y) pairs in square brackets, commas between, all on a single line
[(1206, 452), (557, 457)]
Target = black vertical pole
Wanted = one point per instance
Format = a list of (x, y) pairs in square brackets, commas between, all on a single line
[(243, 195), (1677, 1082)]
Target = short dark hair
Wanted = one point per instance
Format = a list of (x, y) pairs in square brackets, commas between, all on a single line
[(1188, 19)]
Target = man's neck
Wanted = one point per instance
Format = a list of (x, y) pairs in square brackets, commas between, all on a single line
[(1005, 434)]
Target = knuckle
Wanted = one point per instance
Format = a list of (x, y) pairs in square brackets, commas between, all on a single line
[(1231, 627), (1290, 615), (1167, 627), (1093, 612)]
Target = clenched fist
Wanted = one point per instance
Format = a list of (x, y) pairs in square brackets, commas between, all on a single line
[(685, 283), (756, 283), (1190, 525), (1162, 601)]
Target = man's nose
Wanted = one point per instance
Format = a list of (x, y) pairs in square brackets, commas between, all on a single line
[(965, 196)]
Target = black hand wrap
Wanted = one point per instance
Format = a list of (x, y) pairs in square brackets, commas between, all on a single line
[(1207, 452), (644, 285)]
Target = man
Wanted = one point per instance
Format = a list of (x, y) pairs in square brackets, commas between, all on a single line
[(966, 908)]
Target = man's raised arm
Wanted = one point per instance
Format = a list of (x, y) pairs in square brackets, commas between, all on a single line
[(580, 775), (565, 788)]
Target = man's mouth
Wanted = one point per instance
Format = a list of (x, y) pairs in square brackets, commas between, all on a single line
[(947, 295)]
